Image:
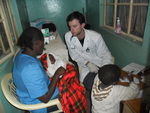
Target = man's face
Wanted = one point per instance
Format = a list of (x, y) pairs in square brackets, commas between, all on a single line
[(75, 27)]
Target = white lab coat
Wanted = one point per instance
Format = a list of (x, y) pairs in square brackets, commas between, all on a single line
[(94, 50)]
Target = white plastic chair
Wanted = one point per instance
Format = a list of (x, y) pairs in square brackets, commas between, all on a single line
[(9, 91)]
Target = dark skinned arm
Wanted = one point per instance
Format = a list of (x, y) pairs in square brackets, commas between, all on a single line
[(51, 88)]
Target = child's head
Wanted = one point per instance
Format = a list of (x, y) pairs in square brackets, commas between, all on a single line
[(109, 74), (52, 59)]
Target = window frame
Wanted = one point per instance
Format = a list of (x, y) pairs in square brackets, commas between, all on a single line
[(12, 21), (8, 30), (131, 5)]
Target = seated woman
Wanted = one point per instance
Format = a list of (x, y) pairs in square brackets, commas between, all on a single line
[(32, 84)]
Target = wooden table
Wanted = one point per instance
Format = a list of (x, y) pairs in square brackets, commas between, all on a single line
[(134, 106)]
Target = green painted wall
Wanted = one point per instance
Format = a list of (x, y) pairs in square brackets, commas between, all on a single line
[(125, 51), (16, 16), (23, 14), (93, 14), (55, 10)]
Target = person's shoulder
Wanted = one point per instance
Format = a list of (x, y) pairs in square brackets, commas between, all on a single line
[(92, 32), (27, 60), (122, 87), (118, 89), (68, 34)]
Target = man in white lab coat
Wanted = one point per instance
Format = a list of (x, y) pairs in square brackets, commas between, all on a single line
[(87, 48)]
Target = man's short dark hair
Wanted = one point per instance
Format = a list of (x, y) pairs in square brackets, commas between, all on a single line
[(76, 15), (108, 74)]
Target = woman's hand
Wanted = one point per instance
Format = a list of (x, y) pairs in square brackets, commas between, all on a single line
[(46, 97), (60, 71)]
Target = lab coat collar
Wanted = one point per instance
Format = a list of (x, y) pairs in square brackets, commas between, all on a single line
[(76, 42), (86, 40)]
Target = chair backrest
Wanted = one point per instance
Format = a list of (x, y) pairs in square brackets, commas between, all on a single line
[(9, 91)]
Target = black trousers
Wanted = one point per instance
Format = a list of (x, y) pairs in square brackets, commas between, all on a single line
[(88, 81)]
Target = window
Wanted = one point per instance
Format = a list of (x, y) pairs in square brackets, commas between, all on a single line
[(132, 14), (8, 32)]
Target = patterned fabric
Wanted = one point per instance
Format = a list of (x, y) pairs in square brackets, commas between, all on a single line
[(100, 94), (72, 94), (43, 60)]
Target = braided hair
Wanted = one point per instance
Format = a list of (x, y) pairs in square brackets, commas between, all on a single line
[(108, 74), (28, 36)]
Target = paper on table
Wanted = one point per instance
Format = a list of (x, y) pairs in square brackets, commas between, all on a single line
[(133, 68)]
